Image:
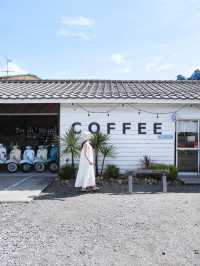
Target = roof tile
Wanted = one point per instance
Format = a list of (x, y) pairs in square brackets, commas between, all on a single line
[(99, 89)]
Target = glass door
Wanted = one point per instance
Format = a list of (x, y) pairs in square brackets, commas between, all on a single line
[(188, 146)]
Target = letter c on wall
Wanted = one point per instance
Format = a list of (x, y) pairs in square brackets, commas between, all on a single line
[(74, 127)]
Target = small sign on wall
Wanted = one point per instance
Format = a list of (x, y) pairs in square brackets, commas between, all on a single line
[(165, 136)]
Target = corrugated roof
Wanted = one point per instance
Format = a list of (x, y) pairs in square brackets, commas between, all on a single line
[(99, 89)]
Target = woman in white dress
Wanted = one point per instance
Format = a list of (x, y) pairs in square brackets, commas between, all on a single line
[(86, 176)]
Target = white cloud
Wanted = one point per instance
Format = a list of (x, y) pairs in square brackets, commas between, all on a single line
[(188, 72), (164, 67), (77, 21), (15, 69), (75, 27), (121, 61), (155, 64), (118, 59), (76, 34), (126, 69)]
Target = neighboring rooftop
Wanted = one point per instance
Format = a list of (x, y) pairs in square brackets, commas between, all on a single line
[(20, 77), (100, 89)]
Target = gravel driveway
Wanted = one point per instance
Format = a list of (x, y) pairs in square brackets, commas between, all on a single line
[(63, 227)]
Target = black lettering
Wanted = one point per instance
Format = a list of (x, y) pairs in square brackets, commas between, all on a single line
[(156, 128), (74, 125), (110, 126), (90, 127), (126, 126), (142, 128)]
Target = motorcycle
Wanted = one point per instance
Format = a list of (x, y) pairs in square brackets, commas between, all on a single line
[(41, 159), (53, 164), (3, 154), (14, 161), (28, 158)]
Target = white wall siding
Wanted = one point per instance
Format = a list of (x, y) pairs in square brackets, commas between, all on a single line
[(130, 147)]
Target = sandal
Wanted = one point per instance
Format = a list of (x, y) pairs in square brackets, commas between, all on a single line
[(95, 189)]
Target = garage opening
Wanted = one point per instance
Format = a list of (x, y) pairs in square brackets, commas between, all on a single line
[(32, 125), (33, 130)]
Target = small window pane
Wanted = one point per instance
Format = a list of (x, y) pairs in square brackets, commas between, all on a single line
[(187, 134), (188, 161)]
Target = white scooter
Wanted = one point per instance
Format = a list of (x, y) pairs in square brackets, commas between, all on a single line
[(41, 159), (3, 154), (14, 161), (28, 158)]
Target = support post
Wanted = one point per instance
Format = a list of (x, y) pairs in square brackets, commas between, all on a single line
[(164, 182), (130, 183)]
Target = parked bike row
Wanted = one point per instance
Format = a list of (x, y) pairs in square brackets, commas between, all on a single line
[(41, 159)]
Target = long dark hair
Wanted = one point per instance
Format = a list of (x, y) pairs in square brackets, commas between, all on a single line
[(83, 143)]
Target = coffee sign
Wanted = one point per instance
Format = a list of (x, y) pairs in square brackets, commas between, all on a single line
[(141, 128)]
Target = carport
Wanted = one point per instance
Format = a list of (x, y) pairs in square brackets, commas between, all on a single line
[(30, 124)]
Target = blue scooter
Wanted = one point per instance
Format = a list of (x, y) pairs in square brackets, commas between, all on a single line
[(53, 164), (28, 158), (3, 154)]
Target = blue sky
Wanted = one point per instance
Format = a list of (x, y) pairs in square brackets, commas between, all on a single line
[(109, 39)]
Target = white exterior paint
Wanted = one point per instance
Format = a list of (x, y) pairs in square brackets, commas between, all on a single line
[(97, 100), (131, 147)]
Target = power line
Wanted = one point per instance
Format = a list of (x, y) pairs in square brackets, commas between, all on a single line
[(173, 113)]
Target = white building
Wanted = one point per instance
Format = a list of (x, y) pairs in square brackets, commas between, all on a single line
[(156, 118)]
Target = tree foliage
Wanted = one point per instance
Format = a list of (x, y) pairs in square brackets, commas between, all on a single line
[(70, 144), (98, 141), (195, 76), (106, 151)]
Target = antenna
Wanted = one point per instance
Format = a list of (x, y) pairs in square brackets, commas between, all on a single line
[(7, 66)]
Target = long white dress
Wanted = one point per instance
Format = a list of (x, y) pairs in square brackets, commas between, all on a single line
[(85, 176)]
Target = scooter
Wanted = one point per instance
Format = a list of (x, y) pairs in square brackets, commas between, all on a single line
[(28, 158), (53, 165), (41, 159), (3, 154), (14, 161)]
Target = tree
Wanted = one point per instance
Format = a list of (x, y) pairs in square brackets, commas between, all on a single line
[(181, 77), (70, 143), (106, 151), (98, 141), (195, 76)]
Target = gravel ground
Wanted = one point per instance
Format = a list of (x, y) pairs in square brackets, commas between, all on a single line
[(64, 227)]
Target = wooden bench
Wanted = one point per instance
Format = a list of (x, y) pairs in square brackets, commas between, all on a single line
[(133, 174)]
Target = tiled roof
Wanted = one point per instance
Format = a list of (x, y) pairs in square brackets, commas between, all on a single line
[(20, 77), (99, 89)]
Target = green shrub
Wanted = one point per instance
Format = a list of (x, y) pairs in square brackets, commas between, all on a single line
[(173, 172), (111, 171), (66, 172)]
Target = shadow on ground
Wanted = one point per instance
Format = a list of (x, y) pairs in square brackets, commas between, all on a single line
[(60, 191)]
